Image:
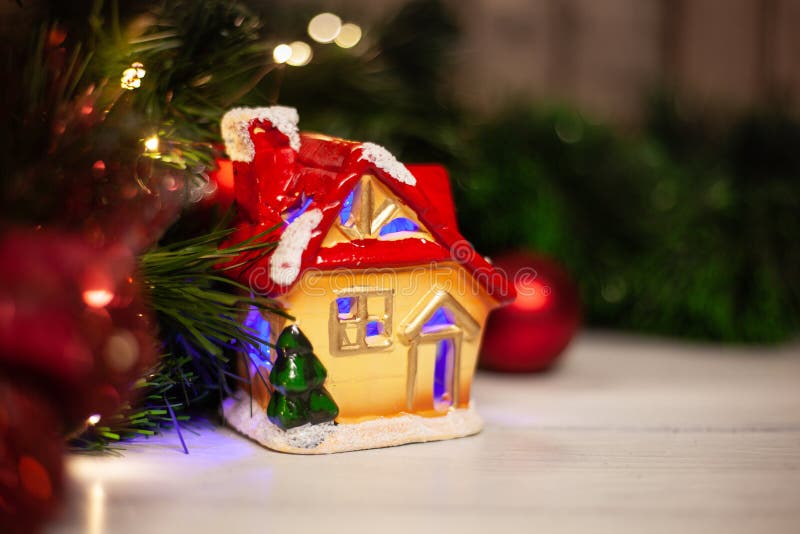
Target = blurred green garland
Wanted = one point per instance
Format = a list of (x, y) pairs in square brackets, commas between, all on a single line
[(685, 229)]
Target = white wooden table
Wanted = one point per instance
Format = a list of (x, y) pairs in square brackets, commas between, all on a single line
[(629, 435)]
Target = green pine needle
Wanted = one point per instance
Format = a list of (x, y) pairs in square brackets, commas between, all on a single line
[(200, 318)]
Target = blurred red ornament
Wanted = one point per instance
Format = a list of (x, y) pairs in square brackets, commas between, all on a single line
[(74, 322), (31, 446), (74, 335), (221, 181), (532, 332)]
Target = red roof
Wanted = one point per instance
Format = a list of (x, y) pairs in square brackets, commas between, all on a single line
[(320, 176)]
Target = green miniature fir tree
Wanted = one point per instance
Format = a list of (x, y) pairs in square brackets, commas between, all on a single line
[(297, 377)]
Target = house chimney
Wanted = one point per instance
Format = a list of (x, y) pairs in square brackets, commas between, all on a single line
[(263, 145)]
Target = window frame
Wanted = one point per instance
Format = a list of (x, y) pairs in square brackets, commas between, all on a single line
[(362, 316)]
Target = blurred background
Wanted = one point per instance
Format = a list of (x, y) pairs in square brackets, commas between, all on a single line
[(651, 147), (606, 57)]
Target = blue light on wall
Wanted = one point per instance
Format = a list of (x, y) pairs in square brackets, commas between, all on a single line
[(259, 352)]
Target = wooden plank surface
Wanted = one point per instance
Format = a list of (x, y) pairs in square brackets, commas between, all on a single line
[(629, 435)]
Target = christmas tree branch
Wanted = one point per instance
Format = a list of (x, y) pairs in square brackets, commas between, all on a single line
[(199, 315)]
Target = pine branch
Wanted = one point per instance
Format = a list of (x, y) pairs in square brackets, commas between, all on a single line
[(200, 318)]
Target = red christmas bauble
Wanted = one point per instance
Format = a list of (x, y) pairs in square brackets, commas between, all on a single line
[(72, 320), (74, 334), (31, 445), (530, 334)]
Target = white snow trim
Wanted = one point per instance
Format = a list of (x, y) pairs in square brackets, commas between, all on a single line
[(325, 438), (236, 123), (385, 161), (284, 265)]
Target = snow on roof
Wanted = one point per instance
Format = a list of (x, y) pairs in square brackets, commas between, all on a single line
[(236, 124), (286, 261), (385, 161)]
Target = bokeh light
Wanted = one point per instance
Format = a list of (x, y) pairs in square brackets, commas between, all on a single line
[(282, 53), (349, 36), (324, 27), (121, 351), (97, 298), (151, 143), (132, 76), (301, 54)]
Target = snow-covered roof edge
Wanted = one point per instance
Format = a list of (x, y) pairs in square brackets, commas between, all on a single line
[(235, 127), (385, 161), (285, 262)]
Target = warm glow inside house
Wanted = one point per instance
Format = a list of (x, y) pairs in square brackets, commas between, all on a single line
[(369, 262)]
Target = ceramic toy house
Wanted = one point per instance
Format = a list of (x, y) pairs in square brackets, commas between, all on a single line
[(388, 298)]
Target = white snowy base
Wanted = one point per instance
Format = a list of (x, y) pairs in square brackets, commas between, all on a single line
[(327, 438)]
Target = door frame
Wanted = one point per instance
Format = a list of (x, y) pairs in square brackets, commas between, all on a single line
[(411, 333)]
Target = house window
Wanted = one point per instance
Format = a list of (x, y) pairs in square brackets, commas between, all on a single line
[(361, 321), (397, 228), (347, 308), (346, 214), (369, 211)]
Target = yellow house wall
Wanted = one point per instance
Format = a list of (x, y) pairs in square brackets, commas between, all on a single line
[(374, 384)]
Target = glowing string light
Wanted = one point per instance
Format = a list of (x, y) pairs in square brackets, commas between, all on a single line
[(349, 36), (132, 76), (97, 298), (324, 27), (151, 143), (301, 54), (282, 53)]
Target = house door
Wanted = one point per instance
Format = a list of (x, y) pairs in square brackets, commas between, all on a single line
[(435, 377)]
